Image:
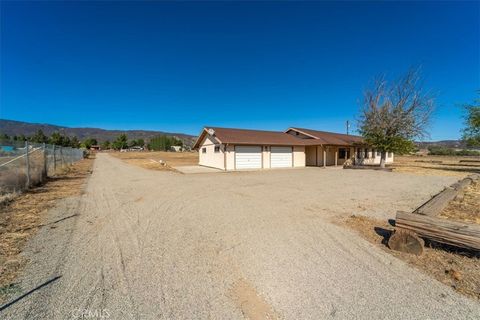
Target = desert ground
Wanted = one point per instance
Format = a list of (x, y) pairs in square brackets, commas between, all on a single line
[(147, 244), (158, 160), (437, 165)]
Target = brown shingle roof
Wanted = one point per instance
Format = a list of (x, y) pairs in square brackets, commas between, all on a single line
[(261, 137), (243, 136), (330, 137)]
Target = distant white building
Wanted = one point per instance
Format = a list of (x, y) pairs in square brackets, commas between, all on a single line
[(176, 148)]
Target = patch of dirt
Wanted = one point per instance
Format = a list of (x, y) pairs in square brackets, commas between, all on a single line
[(21, 216), (252, 305), (436, 165), (158, 160), (457, 269), (466, 208)]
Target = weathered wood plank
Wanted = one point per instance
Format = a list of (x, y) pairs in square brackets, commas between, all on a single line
[(435, 205), (462, 184), (460, 234)]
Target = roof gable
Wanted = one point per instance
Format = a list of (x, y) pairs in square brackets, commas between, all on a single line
[(330, 137), (262, 137)]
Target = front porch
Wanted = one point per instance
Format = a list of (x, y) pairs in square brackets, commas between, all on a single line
[(323, 156)]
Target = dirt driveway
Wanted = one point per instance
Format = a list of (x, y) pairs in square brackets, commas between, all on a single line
[(161, 245)]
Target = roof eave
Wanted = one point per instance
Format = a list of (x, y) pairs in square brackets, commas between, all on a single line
[(302, 132), (200, 138)]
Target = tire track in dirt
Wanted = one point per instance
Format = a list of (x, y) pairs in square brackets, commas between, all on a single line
[(222, 246)]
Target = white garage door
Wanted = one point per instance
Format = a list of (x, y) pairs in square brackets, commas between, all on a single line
[(248, 157), (281, 157)]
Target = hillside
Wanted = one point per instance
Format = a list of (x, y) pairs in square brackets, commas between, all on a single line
[(12, 128), (453, 144)]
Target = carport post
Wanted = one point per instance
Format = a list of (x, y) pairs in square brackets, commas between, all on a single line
[(324, 157), (336, 156)]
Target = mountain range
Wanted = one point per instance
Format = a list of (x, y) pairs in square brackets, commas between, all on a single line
[(12, 128)]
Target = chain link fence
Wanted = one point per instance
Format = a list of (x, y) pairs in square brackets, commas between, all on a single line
[(25, 164)]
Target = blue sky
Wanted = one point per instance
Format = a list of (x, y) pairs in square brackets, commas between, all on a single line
[(266, 65)]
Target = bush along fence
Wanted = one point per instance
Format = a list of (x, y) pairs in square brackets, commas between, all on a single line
[(24, 165)]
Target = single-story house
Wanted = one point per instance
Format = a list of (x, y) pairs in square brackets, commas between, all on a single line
[(235, 149)]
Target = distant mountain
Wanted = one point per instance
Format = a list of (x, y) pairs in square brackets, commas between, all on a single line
[(13, 128), (453, 144)]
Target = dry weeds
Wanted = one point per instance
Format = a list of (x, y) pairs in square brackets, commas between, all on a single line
[(457, 269), (436, 165), (153, 160), (466, 208), (21, 216)]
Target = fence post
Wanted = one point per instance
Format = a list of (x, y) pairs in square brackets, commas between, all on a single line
[(61, 157), (54, 161), (45, 167), (28, 165)]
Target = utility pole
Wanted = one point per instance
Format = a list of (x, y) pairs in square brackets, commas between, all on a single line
[(348, 127)]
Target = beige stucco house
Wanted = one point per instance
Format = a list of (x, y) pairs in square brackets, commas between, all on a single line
[(236, 149)]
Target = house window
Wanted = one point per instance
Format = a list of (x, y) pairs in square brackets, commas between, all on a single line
[(366, 153), (217, 149), (342, 153), (359, 153), (297, 133), (204, 150)]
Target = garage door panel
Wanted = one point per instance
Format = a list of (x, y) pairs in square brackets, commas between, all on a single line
[(281, 157), (248, 157)]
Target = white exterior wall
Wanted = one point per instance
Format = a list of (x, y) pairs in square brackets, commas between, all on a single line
[(211, 158), (230, 157), (372, 158), (298, 156), (266, 157)]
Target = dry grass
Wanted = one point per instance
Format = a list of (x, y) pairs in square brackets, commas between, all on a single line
[(436, 165), (458, 269), (466, 208), (152, 160), (22, 216)]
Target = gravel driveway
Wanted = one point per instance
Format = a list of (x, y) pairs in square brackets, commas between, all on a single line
[(162, 245)]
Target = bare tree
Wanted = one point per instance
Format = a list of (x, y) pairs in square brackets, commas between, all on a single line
[(395, 114)]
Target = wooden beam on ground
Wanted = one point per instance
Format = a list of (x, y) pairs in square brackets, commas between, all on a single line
[(435, 205), (459, 234)]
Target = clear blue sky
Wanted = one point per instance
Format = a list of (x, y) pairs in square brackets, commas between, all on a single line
[(179, 66)]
